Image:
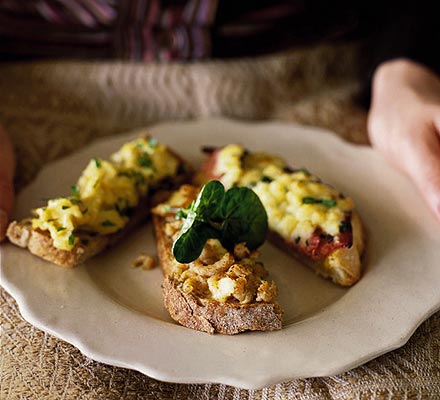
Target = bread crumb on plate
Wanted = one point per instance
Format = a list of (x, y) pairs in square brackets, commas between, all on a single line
[(144, 261)]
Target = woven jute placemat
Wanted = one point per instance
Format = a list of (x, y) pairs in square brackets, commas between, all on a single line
[(52, 108)]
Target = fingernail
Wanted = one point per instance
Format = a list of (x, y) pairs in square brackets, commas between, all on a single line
[(3, 224)]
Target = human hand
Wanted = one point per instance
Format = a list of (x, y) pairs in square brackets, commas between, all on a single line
[(404, 123), (7, 169)]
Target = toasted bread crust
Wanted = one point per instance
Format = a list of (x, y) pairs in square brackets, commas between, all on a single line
[(215, 317), (40, 243), (209, 316)]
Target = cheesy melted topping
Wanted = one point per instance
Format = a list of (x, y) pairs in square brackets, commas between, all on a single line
[(106, 193), (296, 202)]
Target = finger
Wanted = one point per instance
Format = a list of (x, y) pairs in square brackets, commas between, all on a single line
[(7, 167), (423, 166)]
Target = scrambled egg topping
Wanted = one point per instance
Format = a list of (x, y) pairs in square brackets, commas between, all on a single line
[(106, 193), (296, 202), (217, 274)]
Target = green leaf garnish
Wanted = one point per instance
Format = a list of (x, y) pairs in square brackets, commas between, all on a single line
[(266, 179), (234, 216), (138, 178), (328, 203), (61, 228), (181, 214), (152, 142), (97, 162), (65, 207), (72, 239), (144, 160), (313, 200), (74, 192), (123, 207), (304, 171)]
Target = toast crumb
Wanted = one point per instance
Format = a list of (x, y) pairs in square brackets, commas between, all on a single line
[(144, 261)]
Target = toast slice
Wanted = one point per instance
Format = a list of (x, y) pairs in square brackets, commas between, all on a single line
[(110, 199), (307, 218), (220, 292)]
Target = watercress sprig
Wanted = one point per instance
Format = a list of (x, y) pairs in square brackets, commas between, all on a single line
[(232, 216)]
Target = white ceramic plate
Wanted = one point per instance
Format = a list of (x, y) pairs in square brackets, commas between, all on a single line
[(114, 313)]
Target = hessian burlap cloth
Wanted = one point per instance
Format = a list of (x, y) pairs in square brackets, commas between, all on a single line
[(52, 108)]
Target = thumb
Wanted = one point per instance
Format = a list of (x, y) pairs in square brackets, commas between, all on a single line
[(7, 166), (423, 167)]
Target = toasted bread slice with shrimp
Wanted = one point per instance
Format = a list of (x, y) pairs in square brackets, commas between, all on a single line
[(221, 291)]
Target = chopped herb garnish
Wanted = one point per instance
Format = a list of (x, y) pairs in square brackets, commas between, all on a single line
[(144, 160), (328, 203), (75, 191), (266, 178), (72, 239), (51, 220), (313, 200), (97, 162), (96, 183), (61, 228), (138, 178), (152, 142), (107, 222), (181, 214), (304, 171), (65, 207), (123, 208)]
